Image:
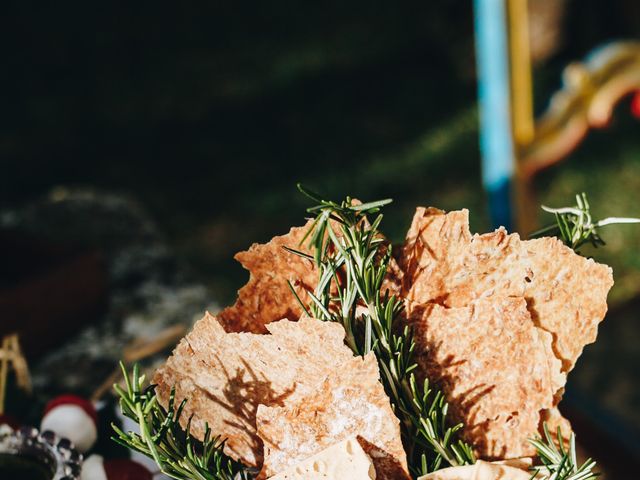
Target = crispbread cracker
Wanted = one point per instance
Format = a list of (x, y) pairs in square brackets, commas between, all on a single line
[(570, 299), (351, 401), (566, 293), (267, 296), (495, 368), (225, 376), (480, 471)]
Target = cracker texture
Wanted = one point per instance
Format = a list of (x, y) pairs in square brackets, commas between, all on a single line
[(565, 292), (267, 296), (225, 376), (350, 402), (495, 368), (498, 322)]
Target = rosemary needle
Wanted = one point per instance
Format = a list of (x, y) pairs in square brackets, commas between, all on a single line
[(162, 438), (575, 226), (558, 461), (352, 260)]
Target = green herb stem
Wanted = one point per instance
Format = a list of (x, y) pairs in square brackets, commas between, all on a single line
[(352, 260), (162, 438), (575, 225), (558, 461)]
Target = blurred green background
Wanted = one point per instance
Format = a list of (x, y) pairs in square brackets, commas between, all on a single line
[(208, 113)]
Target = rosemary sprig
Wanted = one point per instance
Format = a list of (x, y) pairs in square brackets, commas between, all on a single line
[(352, 259), (575, 226), (161, 437), (558, 462)]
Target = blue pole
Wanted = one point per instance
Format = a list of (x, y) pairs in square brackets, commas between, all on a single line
[(496, 139)]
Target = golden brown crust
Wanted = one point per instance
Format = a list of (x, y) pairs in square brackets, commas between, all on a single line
[(567, 295), (267, 296), (351, 401)]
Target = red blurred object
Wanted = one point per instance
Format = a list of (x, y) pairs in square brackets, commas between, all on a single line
[(7, 420), (635, 105), (83, 403), (74, 418), (47, 290), (124, 469)]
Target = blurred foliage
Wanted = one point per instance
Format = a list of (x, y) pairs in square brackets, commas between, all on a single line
[(210, 112)]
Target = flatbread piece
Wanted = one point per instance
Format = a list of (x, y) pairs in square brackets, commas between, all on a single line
[(225, 376), (565, 292), (479, 471), (495, 367), (350, 402), (267, 296)]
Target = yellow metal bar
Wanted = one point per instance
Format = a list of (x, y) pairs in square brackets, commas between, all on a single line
[(522, 121), (520, 62)]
